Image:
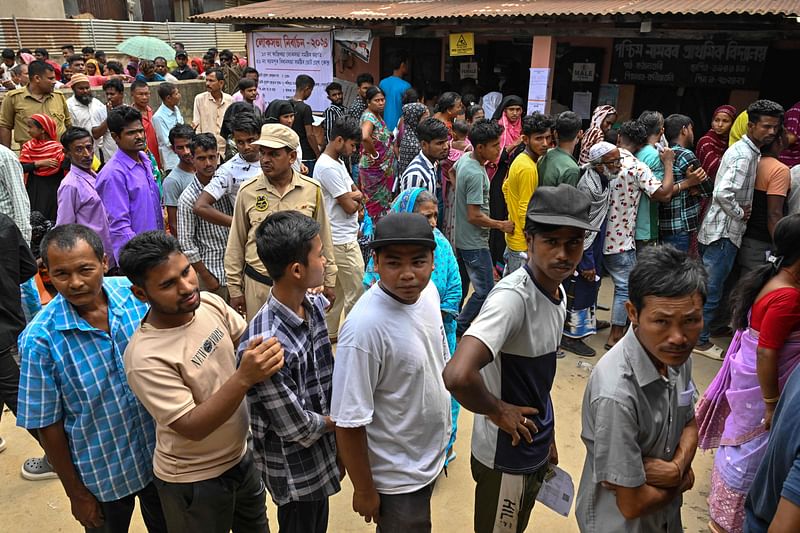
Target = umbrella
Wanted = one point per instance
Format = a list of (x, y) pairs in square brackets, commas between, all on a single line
[(146, 48)]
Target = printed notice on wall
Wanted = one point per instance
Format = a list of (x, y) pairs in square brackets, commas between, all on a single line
[(537, 90), (282, 55)]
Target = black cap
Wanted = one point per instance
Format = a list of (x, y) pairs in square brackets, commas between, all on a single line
[(560, 206), (181, 53), (403, 228)]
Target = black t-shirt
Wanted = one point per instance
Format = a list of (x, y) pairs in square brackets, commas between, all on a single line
[(185, 74), (302, 118), (17, 266)]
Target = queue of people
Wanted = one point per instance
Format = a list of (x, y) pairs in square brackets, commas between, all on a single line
[(201, 275)]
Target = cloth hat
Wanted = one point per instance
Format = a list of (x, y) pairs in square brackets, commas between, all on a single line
[(181, 53), (560, 206), (599, 150), (78, 78), (278, 136), (727, 109), (403, 228)]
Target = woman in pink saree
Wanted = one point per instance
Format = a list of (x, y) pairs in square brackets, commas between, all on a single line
[(735, 413)]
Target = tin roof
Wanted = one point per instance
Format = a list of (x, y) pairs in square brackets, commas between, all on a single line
[(398, 12)]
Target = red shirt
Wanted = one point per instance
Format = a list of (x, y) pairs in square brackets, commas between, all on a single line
[(775, 316), (150, 134)]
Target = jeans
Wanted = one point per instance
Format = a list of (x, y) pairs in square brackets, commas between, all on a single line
[(514, 260), (234, 500), (475, 267), (406, 513), (677, 240), (117, 514), (619, 267), (718, 258)]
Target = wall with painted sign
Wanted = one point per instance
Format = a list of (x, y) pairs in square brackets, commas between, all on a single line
[(281, 55), (688, 63)]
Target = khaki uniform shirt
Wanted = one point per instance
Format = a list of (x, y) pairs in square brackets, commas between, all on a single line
[(208, 115), (20, 104), (258, 198)]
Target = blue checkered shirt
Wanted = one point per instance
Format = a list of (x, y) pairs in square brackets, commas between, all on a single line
[(682, 213), (73, 372), (295, 455)]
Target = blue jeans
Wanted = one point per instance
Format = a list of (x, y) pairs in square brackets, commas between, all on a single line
[(619, 267), (476, 268), (677, 240), (718, 258)]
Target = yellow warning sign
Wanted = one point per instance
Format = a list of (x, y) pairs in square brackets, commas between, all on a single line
[(462, 44)]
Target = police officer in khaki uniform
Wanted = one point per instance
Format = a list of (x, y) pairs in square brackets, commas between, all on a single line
[(276, 188)]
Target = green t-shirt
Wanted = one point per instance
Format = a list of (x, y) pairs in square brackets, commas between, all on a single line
[(556, 167), (647, 217), (472, 188)]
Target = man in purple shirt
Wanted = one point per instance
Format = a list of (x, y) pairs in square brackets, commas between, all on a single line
[(78, 201), (126, 184)]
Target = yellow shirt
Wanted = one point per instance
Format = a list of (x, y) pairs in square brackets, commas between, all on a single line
[(258, 198), (738, 129), (523, 178), (20, 104)]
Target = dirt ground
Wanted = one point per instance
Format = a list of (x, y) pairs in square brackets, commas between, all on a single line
[(42, 506)]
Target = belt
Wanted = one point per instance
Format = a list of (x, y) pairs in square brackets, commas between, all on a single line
[(254, 274)]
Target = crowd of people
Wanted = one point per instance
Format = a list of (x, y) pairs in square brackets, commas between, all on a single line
[(176, 289)]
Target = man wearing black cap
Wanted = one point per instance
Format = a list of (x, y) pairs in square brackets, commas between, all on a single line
[(184, 71), (505, 364), (390, 406)]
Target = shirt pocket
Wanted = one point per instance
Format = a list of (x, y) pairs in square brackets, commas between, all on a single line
[(686, 398)]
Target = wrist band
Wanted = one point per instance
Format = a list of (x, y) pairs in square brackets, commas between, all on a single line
[(772, 400), (679, 187)]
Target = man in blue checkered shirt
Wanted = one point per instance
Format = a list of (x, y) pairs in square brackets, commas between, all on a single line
[(293, 437), (73, 390)]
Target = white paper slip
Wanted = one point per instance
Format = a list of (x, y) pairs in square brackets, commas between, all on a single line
[(557, 491)]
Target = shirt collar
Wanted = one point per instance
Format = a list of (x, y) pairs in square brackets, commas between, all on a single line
[(85, 175), (66, 317), (750, 144), (430, 164), (296, 182), (126, 161), (639, 360), (288, 315)]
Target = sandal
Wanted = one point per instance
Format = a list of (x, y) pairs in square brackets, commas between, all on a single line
[(712, 352), (38, 468)]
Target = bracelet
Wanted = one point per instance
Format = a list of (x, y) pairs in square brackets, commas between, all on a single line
[(772, 400), (679, 187)]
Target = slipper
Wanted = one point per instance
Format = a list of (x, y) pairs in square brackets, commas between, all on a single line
[(712, 352), (607, 346)]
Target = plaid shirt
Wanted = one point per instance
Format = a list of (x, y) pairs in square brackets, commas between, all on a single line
[(733, 190), (73, 372), (14, 201), (201, 240), (682, 213), (297, 458)]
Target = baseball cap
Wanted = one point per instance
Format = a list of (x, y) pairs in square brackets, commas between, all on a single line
[(278, 136), (181, 53), (403, 228), (78, 78), (560, 206)]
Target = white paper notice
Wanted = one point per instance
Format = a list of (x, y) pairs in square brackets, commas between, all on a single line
[(537, 89), (582, 104), (557, 491), (281, 55)]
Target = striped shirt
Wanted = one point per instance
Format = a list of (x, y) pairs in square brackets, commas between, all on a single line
[(733, 191), (419, 173), (293, 451), (201, 240), (331, 114), (74, 372), (14, 201)]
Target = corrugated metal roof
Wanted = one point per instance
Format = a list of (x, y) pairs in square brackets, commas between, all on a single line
[(420, 10)]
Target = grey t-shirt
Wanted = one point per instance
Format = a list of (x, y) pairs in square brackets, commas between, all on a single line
[(630, 411), (472, 188), (175, 184)]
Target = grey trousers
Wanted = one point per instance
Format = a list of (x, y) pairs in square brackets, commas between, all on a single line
[(406, 513)]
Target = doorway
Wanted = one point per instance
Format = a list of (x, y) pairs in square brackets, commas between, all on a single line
[(424, 60)]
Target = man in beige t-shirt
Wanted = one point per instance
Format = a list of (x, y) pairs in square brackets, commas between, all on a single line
[(181, 364)]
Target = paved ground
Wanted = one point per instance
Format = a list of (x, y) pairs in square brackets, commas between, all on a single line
[(43, 507)]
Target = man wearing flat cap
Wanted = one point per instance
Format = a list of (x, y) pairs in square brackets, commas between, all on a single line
[(276, 188), (505, 364)]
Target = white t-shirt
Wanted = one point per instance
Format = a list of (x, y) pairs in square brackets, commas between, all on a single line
[(388, 377), (336, 181), (521, 325), (230, 176), (88, 117)]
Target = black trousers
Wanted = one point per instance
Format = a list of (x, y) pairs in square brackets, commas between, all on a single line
[(303, 517), (9, 382), (406, 513), (117, 514), (235, 500)]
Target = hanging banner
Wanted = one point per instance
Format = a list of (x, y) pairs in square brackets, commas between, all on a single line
[(282, 55), (462, 44), (359, 42)]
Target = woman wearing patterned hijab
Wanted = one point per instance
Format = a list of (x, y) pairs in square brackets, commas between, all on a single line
[(603, 118), (413, 114)]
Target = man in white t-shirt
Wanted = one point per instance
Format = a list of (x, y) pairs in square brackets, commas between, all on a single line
[(505, 364), (237, 170), (389, 403), (85, 110), (342, 201)]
